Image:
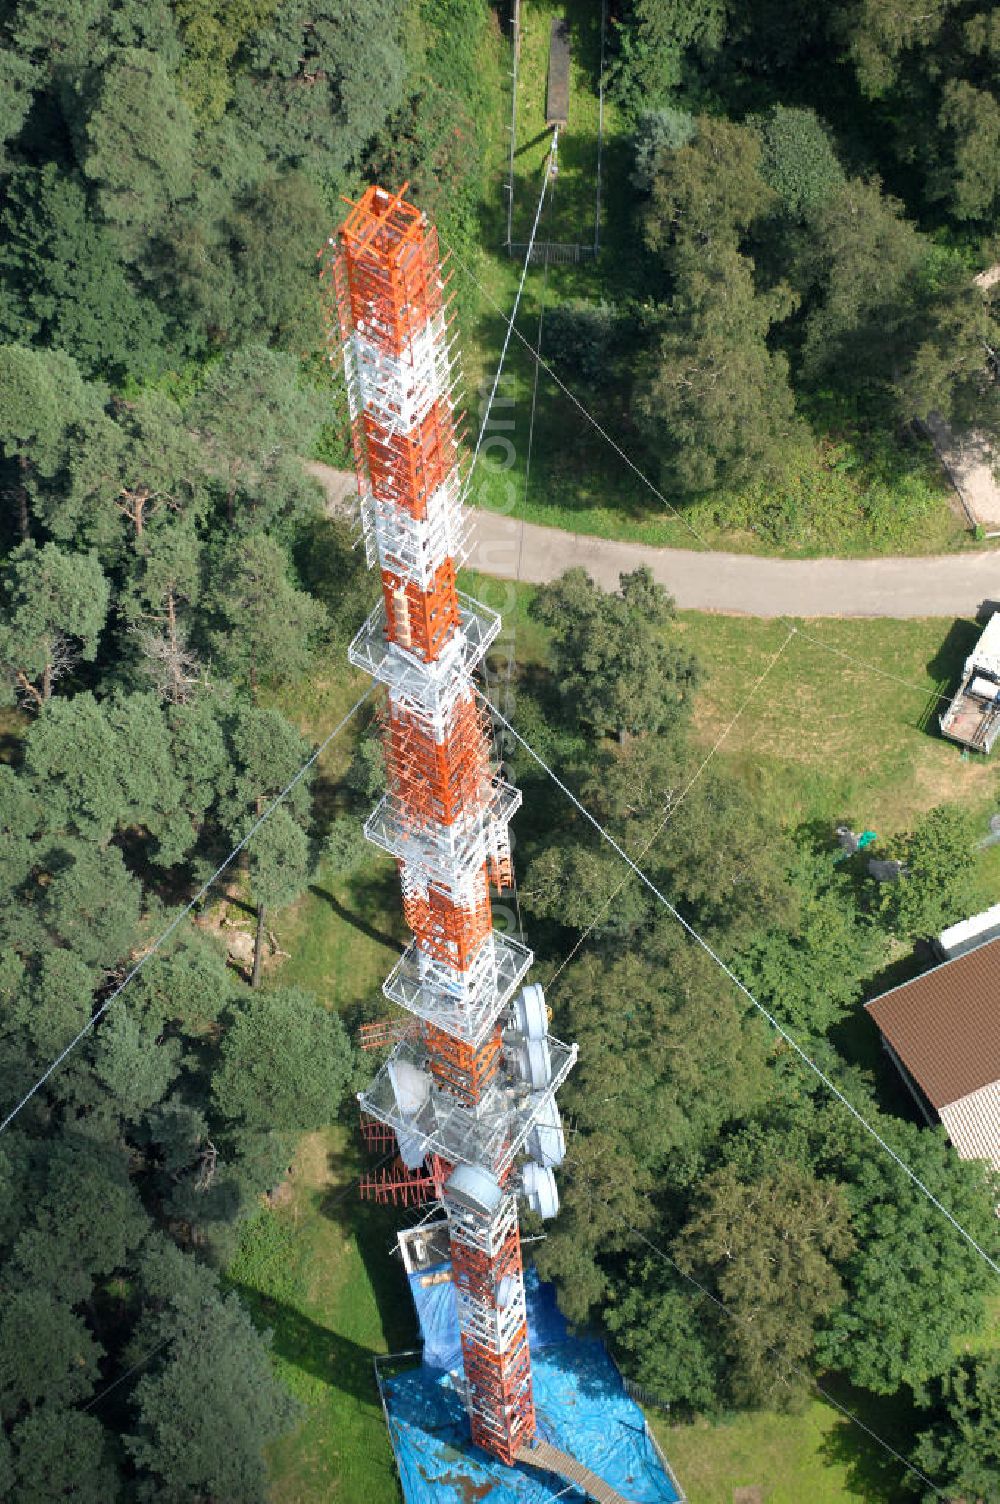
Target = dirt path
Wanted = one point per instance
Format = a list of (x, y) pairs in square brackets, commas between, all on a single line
[(738, 584), (967, 457), (969, 461)]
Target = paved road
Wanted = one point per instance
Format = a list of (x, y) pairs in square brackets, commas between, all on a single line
[(744, 584)]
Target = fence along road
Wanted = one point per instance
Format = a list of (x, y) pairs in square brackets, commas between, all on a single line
[(738, 584)]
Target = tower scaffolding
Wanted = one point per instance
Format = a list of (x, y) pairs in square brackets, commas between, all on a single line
[(469, 1090)]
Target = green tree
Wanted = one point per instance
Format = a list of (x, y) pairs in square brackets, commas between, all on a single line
[(213, 31), (613, 667), (18, 77), (811, 972), (961, 1450), (717, 400), (942, 364), (165, 589), (936, 888), (306, 85), (140, 142), (798, 159), (652, 38), (54, 604), (279, 870), (132, 468), (134, 1063), (249, 413), (268, 626), (914, 1287), (970, 180), (708, 193), (209, 1403), (770, 1248), (62, 1454), (285, 1062), (646, 1105), (858, 257), (880, 32), (65, 284), (657, 1320), (273, 233), (657, 131), (48, 1357), (85, 1218), (42, 399), (92, 903)]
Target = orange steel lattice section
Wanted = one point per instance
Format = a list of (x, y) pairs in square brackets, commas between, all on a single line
[(503, 1413), (437, 780), (448, 931), (407, 468), (462, 1070), (421, 620), (391, 266)]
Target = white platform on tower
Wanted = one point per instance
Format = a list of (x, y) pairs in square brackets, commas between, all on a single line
[(492, 1134)]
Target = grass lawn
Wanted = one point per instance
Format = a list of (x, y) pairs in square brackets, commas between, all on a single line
[(817, 1455), (317, 1271), (829, 739)]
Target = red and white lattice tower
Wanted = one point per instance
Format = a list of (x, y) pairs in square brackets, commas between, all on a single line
[(469, 1091)]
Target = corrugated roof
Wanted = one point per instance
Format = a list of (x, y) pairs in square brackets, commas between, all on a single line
[(973, 1124), (945, 1025)]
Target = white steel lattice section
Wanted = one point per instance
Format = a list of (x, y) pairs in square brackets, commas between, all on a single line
[(465, 1003), (449, 854), (416, 546), (398, 392)]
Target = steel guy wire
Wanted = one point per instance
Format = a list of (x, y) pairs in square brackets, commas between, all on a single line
[(576, 401), (789, 1367), (178, 918), (872, 668), (513, 314), (520, 542), (779, 1028), (671, 811)]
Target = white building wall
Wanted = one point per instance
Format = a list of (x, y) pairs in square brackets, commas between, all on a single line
[(973, 1124)]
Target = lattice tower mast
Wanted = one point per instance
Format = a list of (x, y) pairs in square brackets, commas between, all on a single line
[(470, 1089)]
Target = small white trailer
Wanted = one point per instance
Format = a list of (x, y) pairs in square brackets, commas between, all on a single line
[(973, 717)]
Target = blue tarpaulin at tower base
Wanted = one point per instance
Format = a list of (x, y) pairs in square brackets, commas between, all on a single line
[(580, 1407), (434, 1298)]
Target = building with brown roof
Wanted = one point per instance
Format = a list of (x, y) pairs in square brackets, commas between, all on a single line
[(942, 1030)]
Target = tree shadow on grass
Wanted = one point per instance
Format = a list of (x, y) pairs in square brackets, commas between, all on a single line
[(373, 1228), (872, 1472), (379, 936), (313, 1348)]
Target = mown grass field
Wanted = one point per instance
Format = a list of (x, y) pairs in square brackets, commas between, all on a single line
[(816, 1455), (316, 1270)]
